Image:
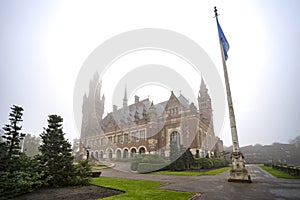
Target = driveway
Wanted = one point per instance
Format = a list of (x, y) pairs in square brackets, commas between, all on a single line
[(264, 185)]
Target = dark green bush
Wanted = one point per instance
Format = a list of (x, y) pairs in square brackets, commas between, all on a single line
[(134, 165), (218, 162), (146, 159), (82, 173), (24, 180), (208, 163), (154, 159), (148, 167)]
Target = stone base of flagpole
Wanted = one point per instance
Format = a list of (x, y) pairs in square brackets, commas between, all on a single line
[(238, 172)]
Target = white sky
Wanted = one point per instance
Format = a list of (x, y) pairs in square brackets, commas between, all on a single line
[(43, 46)]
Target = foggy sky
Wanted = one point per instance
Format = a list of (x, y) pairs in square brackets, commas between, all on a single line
[(267, 110)]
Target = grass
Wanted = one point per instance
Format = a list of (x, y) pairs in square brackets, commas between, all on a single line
[(136, 189), (95, 168), (278, 173), (189, 173)]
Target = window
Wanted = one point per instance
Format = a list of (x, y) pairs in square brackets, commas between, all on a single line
[(126, 139), (142, 135), (175, 137), (110, 139), (133, 136), (173, 111), (120, 138)]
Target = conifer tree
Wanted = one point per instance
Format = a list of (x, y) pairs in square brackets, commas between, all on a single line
[(10, 147), (56, 157), (18, 173)]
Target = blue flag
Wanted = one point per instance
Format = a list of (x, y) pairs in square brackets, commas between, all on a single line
[(222, 37)]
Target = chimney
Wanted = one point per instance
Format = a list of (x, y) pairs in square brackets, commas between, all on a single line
[(115, 108), (136, 99)]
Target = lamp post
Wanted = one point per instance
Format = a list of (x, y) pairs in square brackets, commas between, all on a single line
[(87, 152)]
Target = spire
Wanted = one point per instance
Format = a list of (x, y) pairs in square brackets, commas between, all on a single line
[(125, 100), (125, 94), (203, 87), (204, 102)]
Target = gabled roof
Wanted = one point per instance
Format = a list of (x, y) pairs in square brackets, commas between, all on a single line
[(122, 116)]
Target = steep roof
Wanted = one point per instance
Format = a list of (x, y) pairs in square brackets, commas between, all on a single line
[(122, 116)]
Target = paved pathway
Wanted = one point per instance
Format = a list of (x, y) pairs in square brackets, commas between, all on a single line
[(264, 185)]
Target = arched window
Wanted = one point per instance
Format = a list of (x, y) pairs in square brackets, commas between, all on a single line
[(125, 153), (101, 155), (175, 137), (132, 152), (110, 154), (118, 153), (142, 150)]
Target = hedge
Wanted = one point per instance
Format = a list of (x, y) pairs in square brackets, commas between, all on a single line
[(148, 167)]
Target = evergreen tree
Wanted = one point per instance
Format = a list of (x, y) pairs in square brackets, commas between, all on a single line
[(18, 173), (10, 147), (56, 157)]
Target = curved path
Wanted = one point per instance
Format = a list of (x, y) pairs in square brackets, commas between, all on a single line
[(264, 186)]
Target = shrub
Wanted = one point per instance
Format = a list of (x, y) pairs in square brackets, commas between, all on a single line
[(148, 167), (146, 160), (218, 162), (24, 180), (82, 173), (134, 165), (152, 159)]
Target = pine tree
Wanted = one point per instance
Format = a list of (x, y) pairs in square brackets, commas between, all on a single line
[(56, 157), (10, 147), (18, 173)]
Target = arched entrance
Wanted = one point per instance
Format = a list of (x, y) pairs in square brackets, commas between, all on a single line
[(132, 152), (125, 153), (119, 154), (142, 150), (101, 155), (110, 154)]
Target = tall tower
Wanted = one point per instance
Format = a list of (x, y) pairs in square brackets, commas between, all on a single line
[(206, 114), (125, 100), (92, 109), (204, 103)]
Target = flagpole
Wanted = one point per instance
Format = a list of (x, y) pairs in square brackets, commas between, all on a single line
[(235, 142), (238, 171)]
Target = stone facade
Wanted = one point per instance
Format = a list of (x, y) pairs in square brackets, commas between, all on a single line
[(144, 127)]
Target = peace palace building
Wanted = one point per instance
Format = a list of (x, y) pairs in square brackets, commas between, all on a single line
[(144, 127)]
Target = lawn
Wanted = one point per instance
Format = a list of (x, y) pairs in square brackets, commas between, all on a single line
[(189, 173), (136, 189), (95, 168), (277, 173)]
